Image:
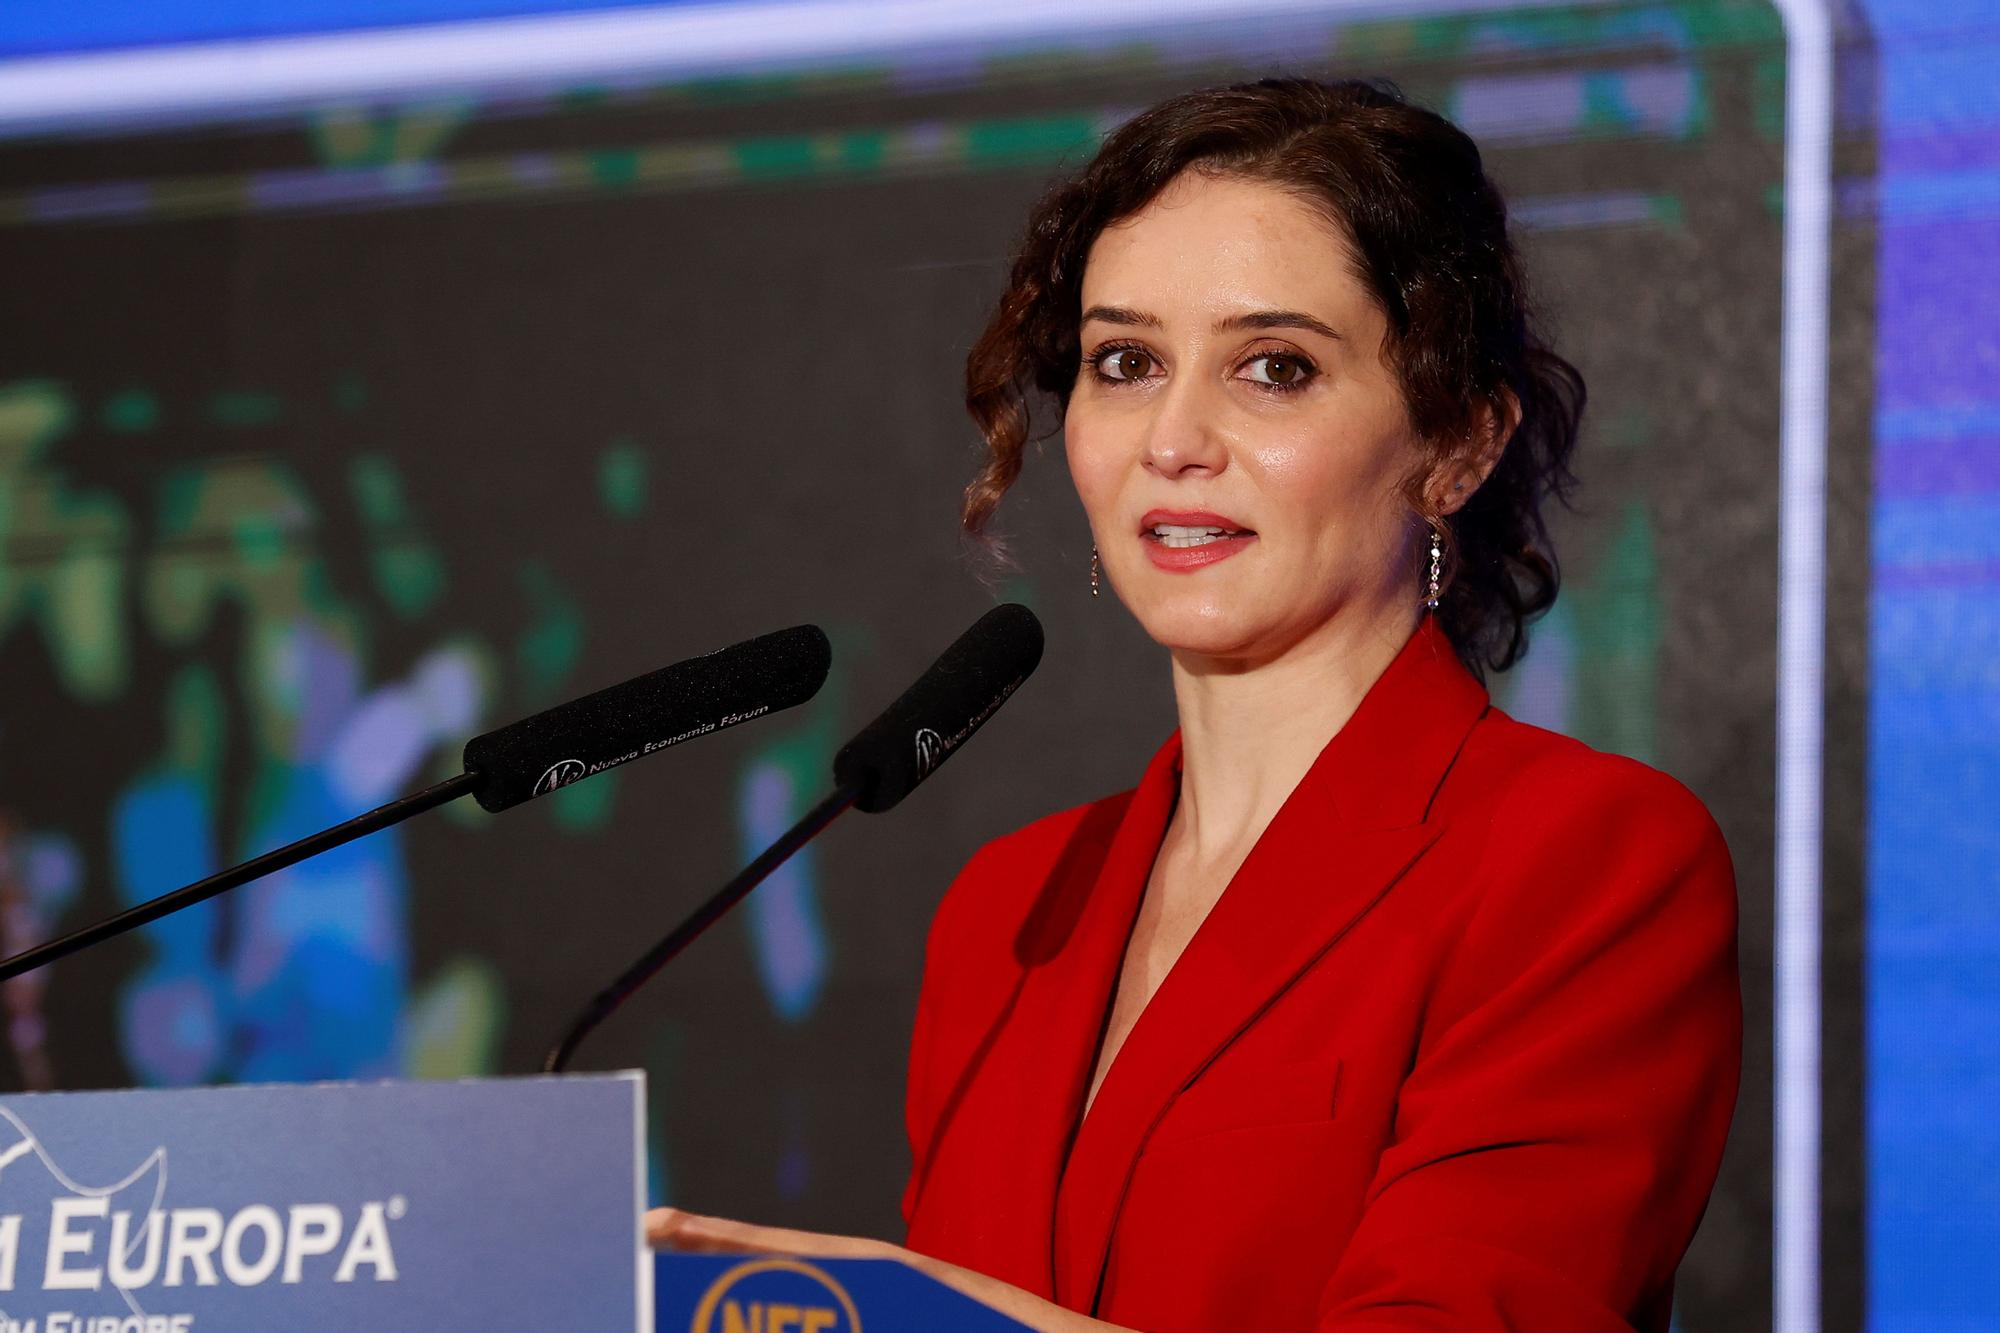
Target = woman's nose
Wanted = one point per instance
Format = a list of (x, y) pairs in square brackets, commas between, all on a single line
[(1181, 437)]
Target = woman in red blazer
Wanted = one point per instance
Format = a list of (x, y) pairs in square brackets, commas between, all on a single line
[(1370, 1008)]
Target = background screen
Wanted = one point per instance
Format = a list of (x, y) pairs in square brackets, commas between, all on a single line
[(361, 394)]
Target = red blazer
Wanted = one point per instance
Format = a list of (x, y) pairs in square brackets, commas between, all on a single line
[(1456, 1050)]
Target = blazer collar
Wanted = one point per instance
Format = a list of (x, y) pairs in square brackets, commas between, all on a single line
[(1382, 769), (1371, 789)]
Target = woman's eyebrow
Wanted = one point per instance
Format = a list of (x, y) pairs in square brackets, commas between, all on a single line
[(1251, 319), (1277, 319), (1118, 314)]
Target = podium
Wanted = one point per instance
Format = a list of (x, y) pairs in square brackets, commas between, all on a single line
[(490, 1203)]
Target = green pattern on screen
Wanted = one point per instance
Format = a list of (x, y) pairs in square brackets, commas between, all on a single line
[(62, 546)]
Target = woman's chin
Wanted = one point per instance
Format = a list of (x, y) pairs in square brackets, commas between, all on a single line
[(1205, 627)]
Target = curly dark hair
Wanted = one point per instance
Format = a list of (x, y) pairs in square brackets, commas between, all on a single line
[(1427, 233)]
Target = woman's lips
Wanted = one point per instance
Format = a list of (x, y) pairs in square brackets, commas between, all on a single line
[(1179, 541), (1181, 559)]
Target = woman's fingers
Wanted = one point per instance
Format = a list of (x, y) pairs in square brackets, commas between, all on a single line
[(683, 1230), (676, 1228)]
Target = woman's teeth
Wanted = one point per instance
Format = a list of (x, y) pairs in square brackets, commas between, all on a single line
[(1172, 535)]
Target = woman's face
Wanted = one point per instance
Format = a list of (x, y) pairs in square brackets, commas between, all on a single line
[(1238, 440)]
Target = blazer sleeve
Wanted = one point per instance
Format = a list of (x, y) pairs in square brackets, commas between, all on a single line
[(1562, 1124)]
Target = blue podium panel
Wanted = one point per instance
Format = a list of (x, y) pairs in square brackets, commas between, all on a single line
[(509, 1203), (733, 1293)]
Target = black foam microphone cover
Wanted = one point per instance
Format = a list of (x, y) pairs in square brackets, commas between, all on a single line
[(662, 708), (936, 716)]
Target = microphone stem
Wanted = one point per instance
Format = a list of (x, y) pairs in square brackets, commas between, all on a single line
[(381, 817), (611, 997)]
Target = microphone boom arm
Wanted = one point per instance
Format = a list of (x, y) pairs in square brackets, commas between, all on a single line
[(873, 772), (381, 817), (735, 891), (534, 756)]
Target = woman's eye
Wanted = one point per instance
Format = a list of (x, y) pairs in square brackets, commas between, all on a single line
[(1126, 363), (1285, 372)]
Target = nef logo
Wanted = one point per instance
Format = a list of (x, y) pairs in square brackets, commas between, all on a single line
[(775, 1296), (559, 775)]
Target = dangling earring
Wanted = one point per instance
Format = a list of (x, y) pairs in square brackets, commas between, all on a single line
[(1093, 569), (1437, 565)]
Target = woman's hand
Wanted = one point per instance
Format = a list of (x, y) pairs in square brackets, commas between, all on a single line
[(677, 1229)]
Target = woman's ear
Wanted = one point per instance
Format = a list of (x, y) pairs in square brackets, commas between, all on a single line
[(1467, 470)]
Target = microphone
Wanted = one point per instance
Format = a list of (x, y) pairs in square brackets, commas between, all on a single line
[(535, 756), (614, 726), (874, 771), (918, 732)]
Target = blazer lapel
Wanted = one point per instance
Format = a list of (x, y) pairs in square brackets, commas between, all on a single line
[(1029, 1089), (1342, 839)]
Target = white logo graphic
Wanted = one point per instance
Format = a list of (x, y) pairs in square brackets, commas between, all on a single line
[(559, 775), (121, 1236), (930, 750), (932, 747), (89, 1200)]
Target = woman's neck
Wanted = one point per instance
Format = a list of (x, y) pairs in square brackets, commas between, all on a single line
[(1249, 731)]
